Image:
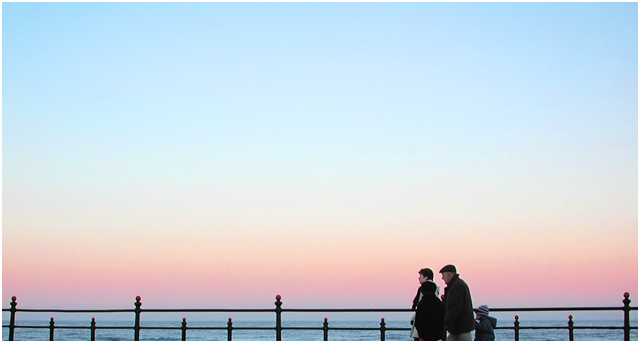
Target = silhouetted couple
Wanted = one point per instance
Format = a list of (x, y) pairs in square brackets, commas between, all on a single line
[(454, 314)]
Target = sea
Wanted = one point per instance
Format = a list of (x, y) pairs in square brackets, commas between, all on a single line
[(397, 330)]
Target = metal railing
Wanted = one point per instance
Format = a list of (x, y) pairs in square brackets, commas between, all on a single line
[(626, 328)]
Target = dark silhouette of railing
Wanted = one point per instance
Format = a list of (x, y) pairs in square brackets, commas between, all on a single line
[(626, 328)]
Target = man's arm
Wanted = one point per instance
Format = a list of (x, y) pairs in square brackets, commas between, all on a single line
[(454, 306)]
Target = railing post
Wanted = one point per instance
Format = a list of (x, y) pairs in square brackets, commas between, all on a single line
[(570, 327), (51, 328), (516, 328), (184, 329), (93, 329), (325, 329), (383, 329), (12, 320), (278, 318), (136, 326), (626, 309), (229, 329)]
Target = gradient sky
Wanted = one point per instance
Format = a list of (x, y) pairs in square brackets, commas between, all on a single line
[(217, 154)]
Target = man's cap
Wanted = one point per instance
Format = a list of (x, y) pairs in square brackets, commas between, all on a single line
[(448, 268), (482, 310)]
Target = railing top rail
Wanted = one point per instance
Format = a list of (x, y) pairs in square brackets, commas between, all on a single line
[(533, 309), (347, 310), (69, 311), (205, 310), (497, 309)]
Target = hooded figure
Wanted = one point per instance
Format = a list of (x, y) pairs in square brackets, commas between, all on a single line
[(429, 314), (485, 324)]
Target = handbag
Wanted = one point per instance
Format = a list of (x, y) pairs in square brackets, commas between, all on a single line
[(414, 332)]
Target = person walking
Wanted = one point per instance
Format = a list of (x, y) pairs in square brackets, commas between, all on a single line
[(429, 314), (458, 307), (485, 324), (424, 275)]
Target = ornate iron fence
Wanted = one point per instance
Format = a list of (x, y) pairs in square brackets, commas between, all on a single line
[(278, 310)]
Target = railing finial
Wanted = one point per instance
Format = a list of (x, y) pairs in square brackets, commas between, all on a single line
[(570, 327), (229, 329), (52, 326), (184, 329), (278, 311), (325, 330), (626, 320), (12, 319), (136, 323), (93, 329)]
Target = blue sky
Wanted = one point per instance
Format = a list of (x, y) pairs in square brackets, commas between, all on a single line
[(307, 120), (315, 91)]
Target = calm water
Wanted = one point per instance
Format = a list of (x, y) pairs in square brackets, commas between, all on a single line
[(268, 333)]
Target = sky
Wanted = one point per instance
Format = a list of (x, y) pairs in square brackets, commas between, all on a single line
[(214, 155)]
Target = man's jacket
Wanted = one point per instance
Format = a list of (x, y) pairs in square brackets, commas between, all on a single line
[(458, 309)]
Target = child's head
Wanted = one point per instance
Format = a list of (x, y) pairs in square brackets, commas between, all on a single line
[(482, 311)]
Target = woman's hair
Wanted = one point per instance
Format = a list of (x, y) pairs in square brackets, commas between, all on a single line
[(426, 272)]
